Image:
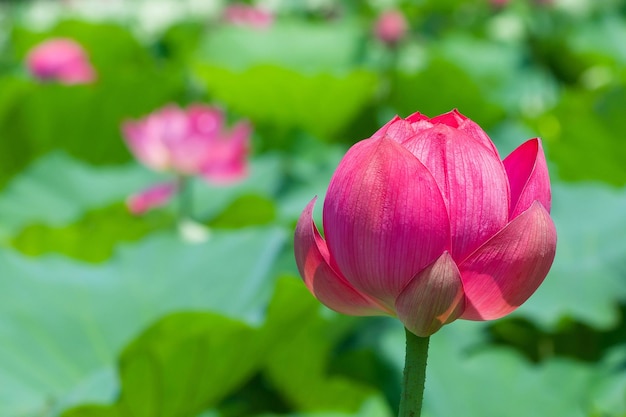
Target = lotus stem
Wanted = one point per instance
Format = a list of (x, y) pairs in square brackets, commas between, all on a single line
[(414, 375), (185, 198)]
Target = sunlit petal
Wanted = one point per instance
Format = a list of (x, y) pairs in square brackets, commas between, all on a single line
[(379, 230), (500, 275), (433, 298), (326, 284), (528, 175)]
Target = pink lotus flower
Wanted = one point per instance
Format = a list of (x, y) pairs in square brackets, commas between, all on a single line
[(391, 27), (155, 196), (424, 221), (190, 142), (244, 15), (62, 60)]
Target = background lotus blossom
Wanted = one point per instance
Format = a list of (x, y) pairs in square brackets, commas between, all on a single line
[(250, 16), (194, 141), (155, 196), (424, 221), (187, 142), (60, 59), (391, 27)]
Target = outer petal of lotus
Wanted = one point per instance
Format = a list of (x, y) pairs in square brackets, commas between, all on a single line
[(189, 154), (433, 298), (227, 161), (150, 198), (456, 120), (500, 275), (325, 283), (397, 129), (145, 145), (170, 125), (60, 59), (529, 180), (205, 120), (195, 139), (472, 180), (152, 138), (78, 73), (384, 218)]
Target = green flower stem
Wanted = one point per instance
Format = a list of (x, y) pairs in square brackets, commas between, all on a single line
[(414, 375), (185, 198)]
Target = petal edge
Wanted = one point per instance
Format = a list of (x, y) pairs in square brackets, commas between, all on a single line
[(433, 298), (505, 271), (527, 171), (329, 287)]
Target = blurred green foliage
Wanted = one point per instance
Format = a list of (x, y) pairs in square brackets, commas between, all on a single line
[(106, 314)]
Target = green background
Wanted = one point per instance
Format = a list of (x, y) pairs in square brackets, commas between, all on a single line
[(106, 314)]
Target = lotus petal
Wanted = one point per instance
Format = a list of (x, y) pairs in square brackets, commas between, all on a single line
[(155, 196), (528, 175), (472, 180), (433, 298), (397, 129), (384, 218), (321, 279), (500, 275)]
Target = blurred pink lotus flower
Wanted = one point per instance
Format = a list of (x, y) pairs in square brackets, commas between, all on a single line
[(425, 222), (250, 16), (391, 27), (62, 60), (194, 141), (155, 196)]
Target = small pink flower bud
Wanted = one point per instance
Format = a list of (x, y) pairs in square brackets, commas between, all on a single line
[(155, 196), (62, 60), (250, 16), (391, 27)]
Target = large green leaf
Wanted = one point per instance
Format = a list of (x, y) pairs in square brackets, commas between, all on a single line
[(322, 103), (311, 338), (56, 190), (583, 136), (610, 392), (373, 407), (188, 362), (294, 74), (300, 46), (66, 322), (180, 366), (108, 227)]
